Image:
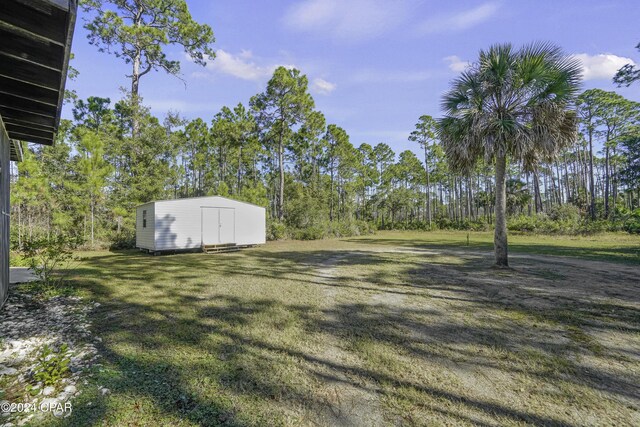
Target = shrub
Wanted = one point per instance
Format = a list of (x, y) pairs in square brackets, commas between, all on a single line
[(52, 366), (632, 223), (276, 230), (125, 239), (321, 230), (566, 212), (49, 256), (310, 233)]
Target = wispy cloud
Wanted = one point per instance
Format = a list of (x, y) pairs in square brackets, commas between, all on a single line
[(322, 86), (241, 65), (181, 106), (456, 64), (459, 21), (245, 66), (347, 20), (601, 66)]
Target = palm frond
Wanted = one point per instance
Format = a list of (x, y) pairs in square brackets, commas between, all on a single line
[(514, 102)]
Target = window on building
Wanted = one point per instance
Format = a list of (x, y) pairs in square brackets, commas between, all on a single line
[(144, 219)]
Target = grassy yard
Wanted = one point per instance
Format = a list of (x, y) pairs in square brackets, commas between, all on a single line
[(400, 328)]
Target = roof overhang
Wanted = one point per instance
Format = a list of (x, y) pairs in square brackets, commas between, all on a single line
[(15, 150), (35, 44)]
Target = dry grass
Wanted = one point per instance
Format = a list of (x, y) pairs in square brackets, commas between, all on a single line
[(394, 329)]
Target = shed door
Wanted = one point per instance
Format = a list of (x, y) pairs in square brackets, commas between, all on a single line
[(218, 225), (227, 225)]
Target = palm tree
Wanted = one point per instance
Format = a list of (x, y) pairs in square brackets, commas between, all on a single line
[(511, 104)]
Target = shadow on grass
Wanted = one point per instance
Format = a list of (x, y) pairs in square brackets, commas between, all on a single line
[(232, 375), (628, 255)]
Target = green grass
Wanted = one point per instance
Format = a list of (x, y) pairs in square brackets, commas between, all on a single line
[(392, 329), (620, 247)]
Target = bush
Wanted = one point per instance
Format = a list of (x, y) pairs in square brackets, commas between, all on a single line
[(309, 233), (126, 239), (561, 221), (564, 213), (276, 230), (48, 256), (321, 230), (465, 225), (632, 223)]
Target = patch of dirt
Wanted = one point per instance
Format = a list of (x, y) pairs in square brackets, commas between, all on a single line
[(348, 400), (547, 321)]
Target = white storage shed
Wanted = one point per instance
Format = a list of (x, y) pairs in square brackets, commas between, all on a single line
[(208, 223)]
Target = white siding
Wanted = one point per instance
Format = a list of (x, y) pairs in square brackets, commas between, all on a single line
[(179, 222), (250, 220), (145, 235)]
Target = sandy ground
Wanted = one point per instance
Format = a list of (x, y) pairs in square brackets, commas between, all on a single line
[(553, 340)]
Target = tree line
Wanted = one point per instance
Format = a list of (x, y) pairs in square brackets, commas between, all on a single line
[(278, 151)]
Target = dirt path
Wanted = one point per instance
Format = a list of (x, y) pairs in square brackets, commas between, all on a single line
[(348, 399), (566, 310)]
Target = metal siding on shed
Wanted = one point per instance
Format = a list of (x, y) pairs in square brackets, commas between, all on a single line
[(250, 220), (145, 236), (179, 222)]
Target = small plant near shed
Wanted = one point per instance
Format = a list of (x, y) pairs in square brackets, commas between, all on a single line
[(49, 256), (51, 367)]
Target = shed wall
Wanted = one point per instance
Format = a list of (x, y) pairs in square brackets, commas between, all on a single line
[(179, 222), (145, 236)]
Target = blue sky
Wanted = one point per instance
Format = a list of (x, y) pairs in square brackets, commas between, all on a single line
[(374, 66)]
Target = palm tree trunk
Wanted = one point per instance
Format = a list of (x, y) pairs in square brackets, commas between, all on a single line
[(500, 237)]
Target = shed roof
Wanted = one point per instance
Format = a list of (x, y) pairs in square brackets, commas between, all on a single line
[(35, 44), (200, 197)]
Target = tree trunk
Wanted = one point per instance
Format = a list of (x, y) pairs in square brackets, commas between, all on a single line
[(592, 188), (92, 222), (614, 180), (281, 186), (331, 195), (500, 237), (135, 84), (239, 169), (606, 181), (428, 196)]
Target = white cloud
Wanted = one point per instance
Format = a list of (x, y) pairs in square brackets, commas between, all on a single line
[(347, 20), (460, 21), (242, 65), (601, 66), (456, 64), (322, 86)]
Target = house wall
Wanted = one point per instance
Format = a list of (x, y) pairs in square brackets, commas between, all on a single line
[(179, 222), (145, 236), (4, 214)]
